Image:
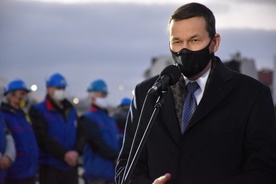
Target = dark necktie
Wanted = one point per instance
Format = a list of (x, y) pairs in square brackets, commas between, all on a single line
[(189, 105)]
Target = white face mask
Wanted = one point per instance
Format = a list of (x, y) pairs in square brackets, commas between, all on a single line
[(59, 94), (101, 102)]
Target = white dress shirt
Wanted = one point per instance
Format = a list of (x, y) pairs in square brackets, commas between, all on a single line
[(201, 81)]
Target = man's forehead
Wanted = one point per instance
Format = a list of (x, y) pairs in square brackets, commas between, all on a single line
[(55, 87), (21, 91), (189, 23), (191, 28), (176, 37)]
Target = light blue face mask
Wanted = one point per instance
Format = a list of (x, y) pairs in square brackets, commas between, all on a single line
[(101, 102), (59, 95)]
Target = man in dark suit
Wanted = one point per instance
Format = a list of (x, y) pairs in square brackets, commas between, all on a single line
[(229, 138)]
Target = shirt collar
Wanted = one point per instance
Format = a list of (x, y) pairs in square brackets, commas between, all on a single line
[(201, 81)]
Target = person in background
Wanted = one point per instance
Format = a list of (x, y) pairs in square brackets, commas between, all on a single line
[(24, 168), (7, 149), (120, 116), (215, 126), (60, 137), (101, 152)]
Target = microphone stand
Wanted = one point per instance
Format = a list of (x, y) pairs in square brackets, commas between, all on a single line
[(131, 162)]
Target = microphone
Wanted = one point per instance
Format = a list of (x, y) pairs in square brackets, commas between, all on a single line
[(169, 76)]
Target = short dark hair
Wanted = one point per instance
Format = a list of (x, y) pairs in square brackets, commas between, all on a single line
[(196, 10)]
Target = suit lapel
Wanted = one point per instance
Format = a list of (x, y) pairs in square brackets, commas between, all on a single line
[(220, 85), (169, 116)]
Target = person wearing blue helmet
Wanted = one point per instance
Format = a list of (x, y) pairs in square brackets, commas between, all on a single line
[(7, 149), (58, 134), (24, 168), (101, 152), (120, 116)]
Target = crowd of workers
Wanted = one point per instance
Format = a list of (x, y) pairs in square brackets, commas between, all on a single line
[(46, 144)]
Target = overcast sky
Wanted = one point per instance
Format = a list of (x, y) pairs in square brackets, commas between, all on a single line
[(116, 41)]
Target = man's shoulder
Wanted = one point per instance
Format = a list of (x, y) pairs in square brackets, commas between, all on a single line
[(40, 104), (90, 115), (239, 79), (247, 81), (147, 83)]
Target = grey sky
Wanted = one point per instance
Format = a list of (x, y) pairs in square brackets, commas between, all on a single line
[(115, 41)]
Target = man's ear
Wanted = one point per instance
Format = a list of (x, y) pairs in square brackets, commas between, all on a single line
[(215, 43)]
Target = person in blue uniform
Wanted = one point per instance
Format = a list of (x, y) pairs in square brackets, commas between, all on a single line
[(7, 149), (120, 116), (101, 152), (58, 134), (24, 168)]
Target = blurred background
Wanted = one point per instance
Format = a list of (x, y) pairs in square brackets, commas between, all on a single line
[(122, 42)]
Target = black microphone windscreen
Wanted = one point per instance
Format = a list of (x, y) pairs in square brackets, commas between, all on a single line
[(173, 71)]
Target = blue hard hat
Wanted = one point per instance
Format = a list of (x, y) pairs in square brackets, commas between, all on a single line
[(56, 80), (125, 101), (15, 85), (97, 85)]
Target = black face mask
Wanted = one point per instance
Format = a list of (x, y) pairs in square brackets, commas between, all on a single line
[(190, 62)]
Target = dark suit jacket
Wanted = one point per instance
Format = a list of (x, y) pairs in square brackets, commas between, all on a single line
[(230, 138)]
